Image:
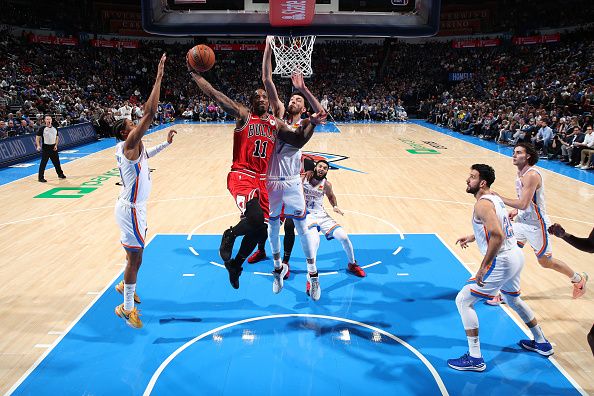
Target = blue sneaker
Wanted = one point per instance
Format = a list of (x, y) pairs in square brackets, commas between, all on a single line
[(467, 363), (543, 348)]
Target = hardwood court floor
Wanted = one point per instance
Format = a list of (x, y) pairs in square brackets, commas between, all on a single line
[(58, 253)]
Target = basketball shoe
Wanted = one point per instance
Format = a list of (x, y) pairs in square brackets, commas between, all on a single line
[(131, 317), (258, 255), (312, 287), (543, 348), (579, 288), (279, 275), (467, 363), (120, 289), (356, 270), (227, 241), (234, 273), (288, 270)]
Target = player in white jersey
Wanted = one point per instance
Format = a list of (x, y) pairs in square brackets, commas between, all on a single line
[(283, 181), (130, 210), (499, 271), (532, 222), (316, 187)]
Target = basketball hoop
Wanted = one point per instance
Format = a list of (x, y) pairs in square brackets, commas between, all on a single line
[(292, 54)]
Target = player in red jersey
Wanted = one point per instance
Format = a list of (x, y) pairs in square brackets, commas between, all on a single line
[(256, 131)]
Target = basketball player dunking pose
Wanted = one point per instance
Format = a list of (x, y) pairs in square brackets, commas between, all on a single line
[(499, 271), (283, 179), (532, 222), (130, 209), (254, 137)]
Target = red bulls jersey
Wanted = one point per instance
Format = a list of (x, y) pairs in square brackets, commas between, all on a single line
[(253, 143)]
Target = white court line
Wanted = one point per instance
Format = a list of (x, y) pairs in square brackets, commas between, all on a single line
[(496, 152), (107, 207), (210, 221), (189, 275), (90, 155), (74, 322), (165, 363), (378, 219), (263, 273), (327, 273), (395, 252), (521, 325), (194, 252), (402, 274), (217, 264), (443, 201), (372, 264)]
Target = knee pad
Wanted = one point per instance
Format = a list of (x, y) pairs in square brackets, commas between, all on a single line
[(340, 235), (253, 213), (464, 298)]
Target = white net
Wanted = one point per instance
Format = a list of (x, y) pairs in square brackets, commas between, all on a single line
[(292, 54)]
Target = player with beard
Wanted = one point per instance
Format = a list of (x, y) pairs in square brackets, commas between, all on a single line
[(283, 179), (500, 270), (254, 138), (316, 186)]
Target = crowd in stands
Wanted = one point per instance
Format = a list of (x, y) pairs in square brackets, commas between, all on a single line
[(511, 90), (540, 94)]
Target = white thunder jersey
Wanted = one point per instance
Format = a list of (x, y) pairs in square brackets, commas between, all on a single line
[(314, 196), (536, 212), (286, 160), (136, 180), (480, 231)]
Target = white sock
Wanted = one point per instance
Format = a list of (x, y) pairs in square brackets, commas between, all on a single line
[(474, 346), (129, 296), (538, 334), (311, 266), (575, 278)]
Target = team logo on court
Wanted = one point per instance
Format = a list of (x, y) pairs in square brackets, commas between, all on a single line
[(332, 160)]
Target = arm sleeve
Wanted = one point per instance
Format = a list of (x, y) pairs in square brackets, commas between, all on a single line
[(151, 152), (585, 244)]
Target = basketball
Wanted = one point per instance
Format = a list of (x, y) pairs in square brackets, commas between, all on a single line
[(201, 58)]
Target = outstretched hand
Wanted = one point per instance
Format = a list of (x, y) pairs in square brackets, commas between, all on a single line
[(464, 241), (318, 118), (557, 230), (161, 67), (170, 136), (298, 82)]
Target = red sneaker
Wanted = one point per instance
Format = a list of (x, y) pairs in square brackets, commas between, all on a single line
[(257, 256), (288, 271), (356, 270)]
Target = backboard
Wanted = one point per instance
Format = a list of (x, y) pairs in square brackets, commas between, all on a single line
[(359, 18)]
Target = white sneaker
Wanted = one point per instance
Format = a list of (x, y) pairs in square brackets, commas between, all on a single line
[(584, 167), (277, 284), (579, 166), (315, 291)]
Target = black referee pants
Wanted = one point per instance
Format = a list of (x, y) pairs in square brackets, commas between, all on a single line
[(48, 153)]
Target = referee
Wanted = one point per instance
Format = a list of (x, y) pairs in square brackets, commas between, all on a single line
[(46, 141)]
